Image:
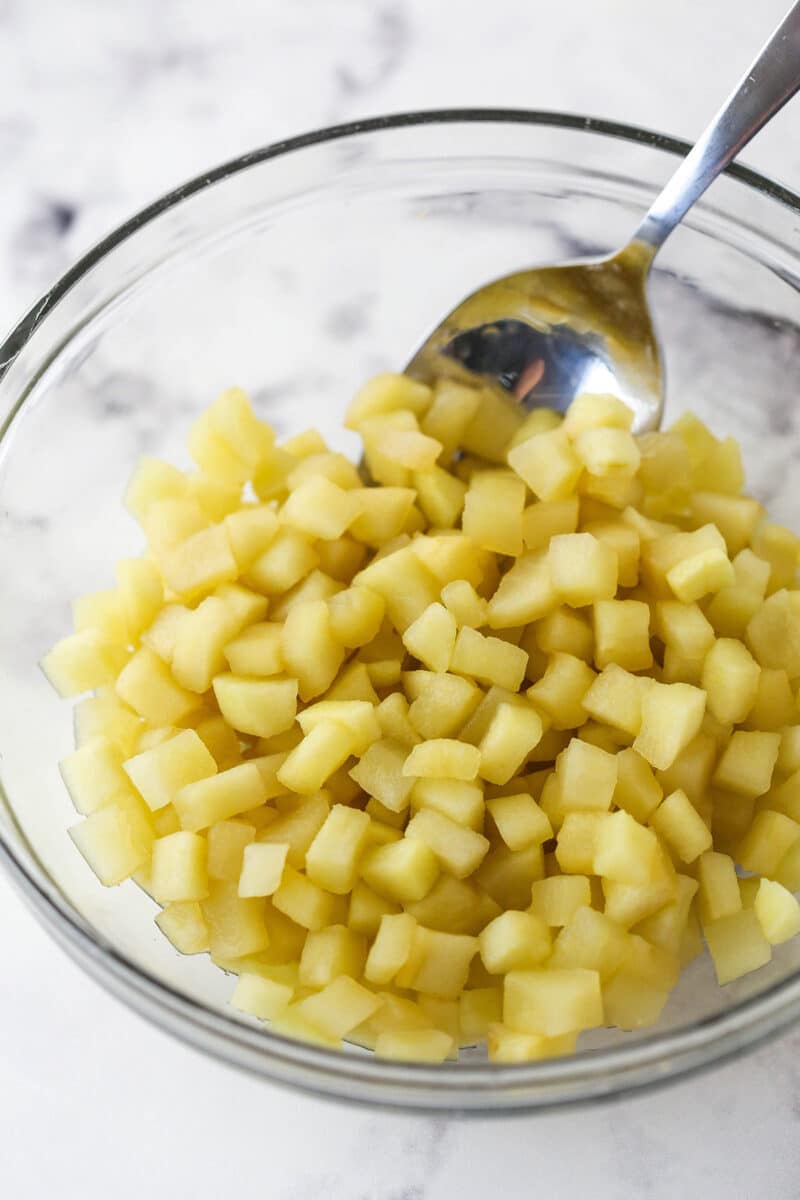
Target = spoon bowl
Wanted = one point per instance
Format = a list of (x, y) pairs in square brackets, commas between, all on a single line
[(547, 335)]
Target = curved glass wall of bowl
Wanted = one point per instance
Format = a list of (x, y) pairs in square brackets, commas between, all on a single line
[(297, 276)]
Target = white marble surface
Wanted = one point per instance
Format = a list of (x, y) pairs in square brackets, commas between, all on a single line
[(102, 107)]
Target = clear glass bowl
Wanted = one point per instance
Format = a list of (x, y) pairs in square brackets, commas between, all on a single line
[(296, 271)]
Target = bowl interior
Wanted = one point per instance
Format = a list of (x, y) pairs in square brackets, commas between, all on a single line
[(297, 277)]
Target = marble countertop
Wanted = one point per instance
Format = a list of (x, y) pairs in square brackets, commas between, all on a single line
[(102, 108)]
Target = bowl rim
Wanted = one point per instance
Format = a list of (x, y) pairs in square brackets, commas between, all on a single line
[(478, 1089), (20, 333)]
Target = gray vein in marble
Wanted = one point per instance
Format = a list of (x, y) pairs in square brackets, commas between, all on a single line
[(144, 65), (389, 40), (343, 321), (15, 133), (37, 249)]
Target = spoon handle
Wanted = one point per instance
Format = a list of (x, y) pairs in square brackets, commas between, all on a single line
[(772, 80)]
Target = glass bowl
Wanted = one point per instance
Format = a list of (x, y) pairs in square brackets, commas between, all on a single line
[(296, 271)]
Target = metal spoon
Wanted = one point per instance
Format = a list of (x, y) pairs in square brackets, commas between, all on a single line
[(547, 334)]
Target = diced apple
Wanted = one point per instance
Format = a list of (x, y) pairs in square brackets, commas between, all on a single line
[(552, 1002)]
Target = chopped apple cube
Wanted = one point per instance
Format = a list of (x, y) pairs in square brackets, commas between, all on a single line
[(590, 940), (158, 774), (266, 999), (356, 615), (391, 948), (683, 627), (775, 705), (622, 634), (558, 898), (507, 1046), (81, 662), (288, 558), (115, 841), (520, 821), (638, 791), (146, 685), (358, 716), (773, 634), (513, 732), (403, 871), (614, 698), (548, 464), (488, 660), (591, 410), (152, 480), (525, 593), (451, 411), (185, 926), (439, 963), (318, 508), (250, 530), (576, 842), (671, 716), (607, 451), (339, 1007), (236, 926), (459, 850), (219, 797), (256, 651), (261, 707), (303, 901), (179, 867), (678, 822), (443, 758), (367, 908), (730, 680), (582, 569), (565, 631), (321, 752), (587, 777), (460, 801), (140, 590), (333, 857), (718, 893), (460, 598), (699, 574), (310, 650), (199, 563), (513, 941), (414, 1045), (770, 837), (561, 690), (778, 912), (431, 637), (387, 393), (737, 945), (226, 845), (542, 521), (380, 773), (625, 851), (493, 511), (440, 703), (747, 762), (262, 868), (94, 774), (552, 1001)]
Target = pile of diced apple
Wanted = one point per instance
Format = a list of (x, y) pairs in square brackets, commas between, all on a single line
[(481, 749)]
